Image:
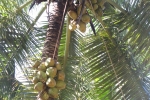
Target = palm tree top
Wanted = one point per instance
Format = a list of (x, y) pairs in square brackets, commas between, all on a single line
[(112, 65)]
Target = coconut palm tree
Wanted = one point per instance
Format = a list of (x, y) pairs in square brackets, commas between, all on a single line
[(113, 65)]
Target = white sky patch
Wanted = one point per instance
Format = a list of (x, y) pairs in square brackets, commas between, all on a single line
[(34, 13)]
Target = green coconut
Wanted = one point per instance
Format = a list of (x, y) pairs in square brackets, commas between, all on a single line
[(35, 80), (51, 82), (44, 96), (58, 66), (85, 18), (51, 71), (42, 66), (53, 92), (60, 84), (50, 62), (95, 6), (42, 76), (81, 26), (61, 75), (39, 86), (72, 14), (37, 63)]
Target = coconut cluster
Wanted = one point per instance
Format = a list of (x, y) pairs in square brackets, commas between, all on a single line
[(74, 14), (96, 5), (48, 79)]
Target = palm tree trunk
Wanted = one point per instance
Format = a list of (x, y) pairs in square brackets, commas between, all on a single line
[(55, 18), (53, 36)]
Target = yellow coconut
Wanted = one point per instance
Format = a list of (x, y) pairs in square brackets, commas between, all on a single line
[(81, 26), (42, 76), (42, 66), (51, 71), (44, 96), (39, 86), (53, 92), (50, 62), (72, 14), (95, 6), (61, 75), (37, 63), (51, 82), (58, 66), (60, 84), (35, 80), (85, 18)]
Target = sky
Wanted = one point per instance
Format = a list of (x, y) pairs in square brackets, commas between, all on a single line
[(34, 12)]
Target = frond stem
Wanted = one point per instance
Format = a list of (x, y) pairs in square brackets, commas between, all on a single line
[(112, 66), (36, 19), (24, 5), (68, 36)]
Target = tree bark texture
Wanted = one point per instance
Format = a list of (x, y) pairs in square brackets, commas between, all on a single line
[(53, 36)]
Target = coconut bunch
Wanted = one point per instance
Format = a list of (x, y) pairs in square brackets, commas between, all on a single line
[(78, 19), (96, 5), (48, 79), (79, 16)]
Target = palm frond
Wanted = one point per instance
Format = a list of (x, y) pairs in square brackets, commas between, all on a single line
[(110, 60), (16, 46), (137, 38), (110, 71)]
